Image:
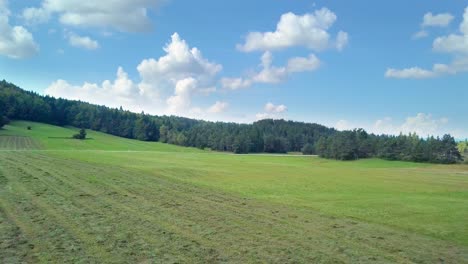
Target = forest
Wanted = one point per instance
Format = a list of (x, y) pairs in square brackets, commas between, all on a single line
[(271, 136)]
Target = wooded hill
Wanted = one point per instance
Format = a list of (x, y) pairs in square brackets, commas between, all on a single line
[(272, 136)]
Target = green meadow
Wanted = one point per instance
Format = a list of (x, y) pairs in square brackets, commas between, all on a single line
[(108, 199)]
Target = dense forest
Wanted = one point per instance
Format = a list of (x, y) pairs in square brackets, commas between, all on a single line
[(272, 136)]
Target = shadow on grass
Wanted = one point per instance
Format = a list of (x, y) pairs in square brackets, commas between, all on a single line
[(70, 138)]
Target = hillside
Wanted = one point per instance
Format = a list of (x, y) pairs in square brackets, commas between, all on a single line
[(48, 137), (272, 136)]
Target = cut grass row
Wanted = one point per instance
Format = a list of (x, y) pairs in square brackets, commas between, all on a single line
[(18, 143), (59, 138), (102, 213), (421, 198)]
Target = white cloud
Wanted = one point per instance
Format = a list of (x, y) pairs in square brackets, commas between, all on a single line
[(300, 64), (34, 15), (180, 102), (269, 74), (271, 108), (342, 40), (121, 92), (272, 74), (122, 15), (420, 34), (207, 91), (15, 41), (272, 111), (454, 44), (421, 124), (218, 107), (438, 20), (457, 66), (235, 83), (309, 30), (343, 125), (167, 84), (82, 42), (180, 62), (410, 73)]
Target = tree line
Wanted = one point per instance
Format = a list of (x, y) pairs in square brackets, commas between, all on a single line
[(356, 144), (272, 136)]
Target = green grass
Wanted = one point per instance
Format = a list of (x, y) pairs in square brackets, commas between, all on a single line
[(59, 138), (170, 204)]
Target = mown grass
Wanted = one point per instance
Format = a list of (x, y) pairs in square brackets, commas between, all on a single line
[(170, 206), (60, 138), (427, 199)]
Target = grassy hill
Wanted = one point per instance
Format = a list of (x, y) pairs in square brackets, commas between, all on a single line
[(49, 137), (167, 204)]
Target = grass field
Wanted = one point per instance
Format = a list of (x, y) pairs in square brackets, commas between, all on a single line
[(49, 137), (94, 201)]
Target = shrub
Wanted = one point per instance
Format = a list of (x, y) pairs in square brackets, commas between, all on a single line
[(81, 135)]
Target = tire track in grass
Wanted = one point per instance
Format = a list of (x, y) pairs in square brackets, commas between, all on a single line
[(225, 226), (178, 209), (373, 242), (179, 229), (8, 143), (204, 201), (48, 239), (53, 237), (58, 189)]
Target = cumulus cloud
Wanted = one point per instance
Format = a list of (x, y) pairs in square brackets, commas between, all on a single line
[(180, 62), (341, 40), (181, 66), (453, 44), (272, 111), (33, 15), (181, 100), (122, 15), (421, 124), (438, 20), (301, 64), (343, 125), (15, 41), (235, 83), (167, 84), (420, 34), (309, 30), (83, 42), (218, 107), (413, 73), (272, 74), (457, 66), (271, 108), (121, 91)]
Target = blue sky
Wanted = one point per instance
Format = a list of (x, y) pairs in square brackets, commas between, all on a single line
[(386, 66)]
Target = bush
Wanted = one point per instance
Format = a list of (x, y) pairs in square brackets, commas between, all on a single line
[(81, 135), (29, 127)]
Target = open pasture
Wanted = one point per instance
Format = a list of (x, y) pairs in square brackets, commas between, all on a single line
[(94, 201)]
